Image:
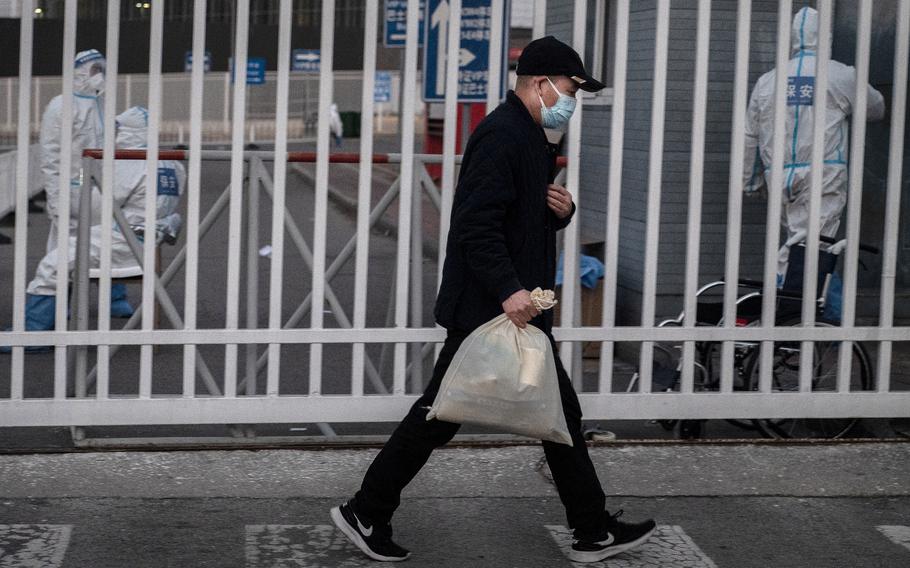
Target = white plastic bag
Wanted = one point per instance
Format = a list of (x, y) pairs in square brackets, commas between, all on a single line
[(505, 377)]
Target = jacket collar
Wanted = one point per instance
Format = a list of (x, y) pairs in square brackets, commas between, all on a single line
[(512, 100)]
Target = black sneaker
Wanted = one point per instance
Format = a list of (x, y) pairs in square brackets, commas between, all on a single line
[(620, 538), (375, 540)]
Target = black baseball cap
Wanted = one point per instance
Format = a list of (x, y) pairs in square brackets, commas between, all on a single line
[(549, 56)]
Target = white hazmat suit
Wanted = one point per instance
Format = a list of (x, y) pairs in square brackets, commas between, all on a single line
[(87, 132), (130, 183), (800, 109)]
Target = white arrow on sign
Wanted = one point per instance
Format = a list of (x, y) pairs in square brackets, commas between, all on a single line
[(440, 20), (465, 57), (308, 56)]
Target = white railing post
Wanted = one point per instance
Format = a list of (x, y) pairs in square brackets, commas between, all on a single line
[(655, 171), (855, 194), (775, 193), (238, 163), (696, 188), (614, 188), (364, 191), (278, 194), (327, 38), (735, 193), (26, 33), (893, 196)]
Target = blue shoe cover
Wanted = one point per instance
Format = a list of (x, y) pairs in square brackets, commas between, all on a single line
[(40, 314), (120, 307)]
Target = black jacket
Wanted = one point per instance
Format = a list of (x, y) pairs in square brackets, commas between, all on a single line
[(502, 236)]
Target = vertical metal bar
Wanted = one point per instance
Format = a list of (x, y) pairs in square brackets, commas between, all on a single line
[(193, 193), (327, 41), (417, 277), (775, 191), (278, 194), (112, 52), (226, 114), (735, 195), (893, 198), (449, 135), (235, 215), (252, 271), (128, 95), (696, 187), (600, 32), (494, 79), (9, 102), (405, 195), (26, 34), (806, 359), (364, 191), (855, 194), (570, 287), (655, 171), (617, 130), (540, 19), (63, 206), (149, 276), (37, 108), (80, 279)]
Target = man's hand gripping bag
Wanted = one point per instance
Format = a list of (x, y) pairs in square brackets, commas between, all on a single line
[(505, 377)]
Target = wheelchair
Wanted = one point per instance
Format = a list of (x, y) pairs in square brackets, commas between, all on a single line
[(667, 362)]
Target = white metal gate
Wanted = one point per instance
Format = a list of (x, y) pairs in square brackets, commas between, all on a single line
[(233, 398)]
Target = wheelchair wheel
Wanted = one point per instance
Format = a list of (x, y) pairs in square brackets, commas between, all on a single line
[(710, 356), (785, 378)]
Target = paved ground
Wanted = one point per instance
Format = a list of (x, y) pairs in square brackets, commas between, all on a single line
[(717, 505)]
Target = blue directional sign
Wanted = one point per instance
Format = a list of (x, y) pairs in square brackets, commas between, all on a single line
[(306, 60), (382, 89), (255, 70), (188, 61), (396, 23), (474, 52)]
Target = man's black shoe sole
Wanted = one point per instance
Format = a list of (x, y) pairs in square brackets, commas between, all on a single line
[(354, 536), (597, 556)]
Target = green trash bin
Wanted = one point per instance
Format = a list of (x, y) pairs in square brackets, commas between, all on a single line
[(350, 121)]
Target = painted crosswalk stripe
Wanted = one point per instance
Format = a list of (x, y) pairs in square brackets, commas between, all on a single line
[(898, 534), (33, 546), (301, 546), (670, 546)]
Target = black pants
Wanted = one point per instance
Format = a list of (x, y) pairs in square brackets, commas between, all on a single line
[(414, 440)]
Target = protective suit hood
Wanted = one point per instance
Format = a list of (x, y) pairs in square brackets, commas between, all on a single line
[(82, 73), (132, 128), (804, 31)]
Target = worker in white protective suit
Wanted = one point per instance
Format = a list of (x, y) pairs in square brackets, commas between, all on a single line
[(335, 125), (800, 109), (87, 132), (130, 183)]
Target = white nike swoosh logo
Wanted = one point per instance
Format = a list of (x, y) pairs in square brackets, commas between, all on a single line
[(368, 531), (607, 542)]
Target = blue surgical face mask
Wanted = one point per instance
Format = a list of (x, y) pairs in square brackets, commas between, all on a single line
[(557, 116)]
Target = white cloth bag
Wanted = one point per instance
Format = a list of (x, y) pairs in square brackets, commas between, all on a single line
[(504, 377)]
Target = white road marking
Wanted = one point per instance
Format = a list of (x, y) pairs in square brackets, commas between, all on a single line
[(33, 546), (898, 534), (670, 546), (301, 546)]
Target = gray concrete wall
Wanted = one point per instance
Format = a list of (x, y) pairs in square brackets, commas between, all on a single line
[(675, 183)]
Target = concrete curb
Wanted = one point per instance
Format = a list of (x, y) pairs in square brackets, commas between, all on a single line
[(832, 470)]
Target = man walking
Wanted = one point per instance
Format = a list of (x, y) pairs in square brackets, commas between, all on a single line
[(502, 243)]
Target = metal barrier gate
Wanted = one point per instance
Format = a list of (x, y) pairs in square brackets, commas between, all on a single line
[(231, 399)]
